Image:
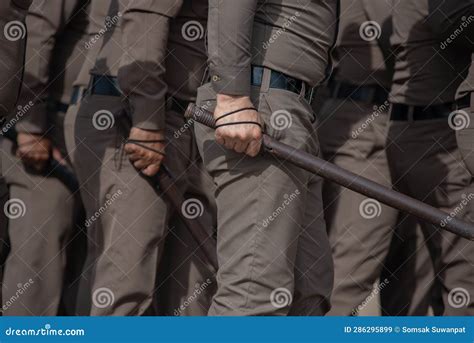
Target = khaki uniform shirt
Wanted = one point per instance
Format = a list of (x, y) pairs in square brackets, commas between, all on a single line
[(12, 46), (54, 55), (426, 73), (103, 17), (292, 37), (164, 44), (362, 53)]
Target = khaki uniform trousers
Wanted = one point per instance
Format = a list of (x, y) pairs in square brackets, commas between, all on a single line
[(273, 250), (128, 220), (39, 235), (426, 164), (353, 136)]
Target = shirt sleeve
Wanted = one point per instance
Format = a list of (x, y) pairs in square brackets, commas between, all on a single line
[(230, 38), (12, 41), (44, 21), (145, 30)]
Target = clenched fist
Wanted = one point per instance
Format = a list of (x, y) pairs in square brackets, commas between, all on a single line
[(146, 150), (242, 138)]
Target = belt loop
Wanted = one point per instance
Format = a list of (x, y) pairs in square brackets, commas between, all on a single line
[(266, 78), (303, 90)]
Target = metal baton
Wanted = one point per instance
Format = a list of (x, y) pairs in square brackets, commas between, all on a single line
[(347, 179)]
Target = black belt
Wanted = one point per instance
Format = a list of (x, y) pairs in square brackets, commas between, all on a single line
[(57, 106), (281, 81), (372, 94), (464, 102), (405, 112), (104, 85)]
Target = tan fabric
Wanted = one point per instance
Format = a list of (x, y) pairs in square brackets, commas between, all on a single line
[(362, 46), (54, 55), (38, 239), (291, 37), (127, 240), (420, 58), (431, 145), (353, 137), (272, 245), (12, 52)]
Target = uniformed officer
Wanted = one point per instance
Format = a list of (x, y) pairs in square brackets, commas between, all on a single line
[(12, 23), (273, 250), (118, 148), (352, 132), (40, 231), (423, 156), (454, 22)]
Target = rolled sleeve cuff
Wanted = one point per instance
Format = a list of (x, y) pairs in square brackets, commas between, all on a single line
[(35, 120), (148, 115), (231, 81)]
